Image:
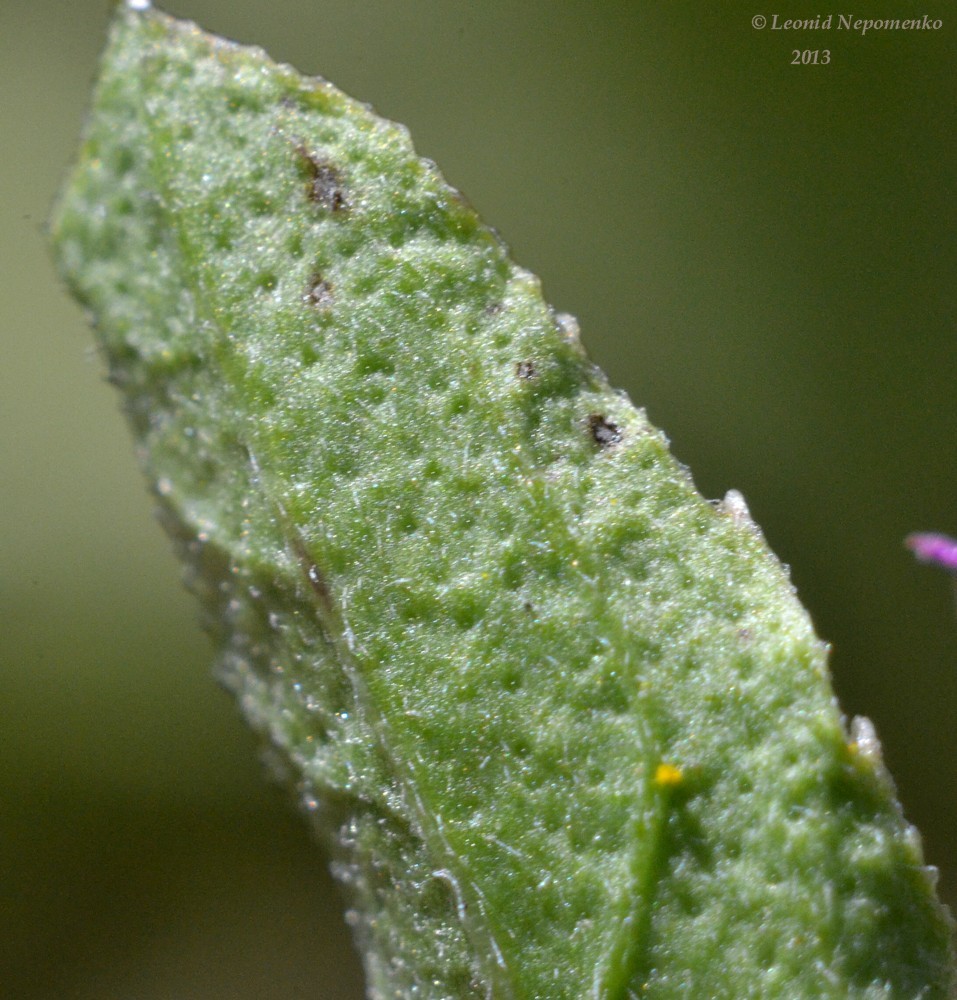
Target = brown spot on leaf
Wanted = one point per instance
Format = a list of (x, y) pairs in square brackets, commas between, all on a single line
[(603, 430), (318, 292), (317, 582), (325, 186)]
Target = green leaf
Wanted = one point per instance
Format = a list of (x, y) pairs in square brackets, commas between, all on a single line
[(563, 723)]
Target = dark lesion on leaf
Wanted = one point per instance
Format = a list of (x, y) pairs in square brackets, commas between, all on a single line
[(325, 186), (526, 370), (318, 291), (317, 581), (603, 431)]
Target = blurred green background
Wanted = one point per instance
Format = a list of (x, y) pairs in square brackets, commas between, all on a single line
[(763, 255)]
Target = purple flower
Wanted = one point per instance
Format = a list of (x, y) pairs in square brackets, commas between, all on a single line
[(932, 548)]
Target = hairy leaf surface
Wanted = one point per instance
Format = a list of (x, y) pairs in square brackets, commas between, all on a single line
[(563, 722)]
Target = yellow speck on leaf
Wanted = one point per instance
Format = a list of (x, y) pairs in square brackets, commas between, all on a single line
[(667, 775)]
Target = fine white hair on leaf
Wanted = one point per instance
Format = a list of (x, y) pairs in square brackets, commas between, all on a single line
[(568, 325), (864, 737), (736, 507)]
